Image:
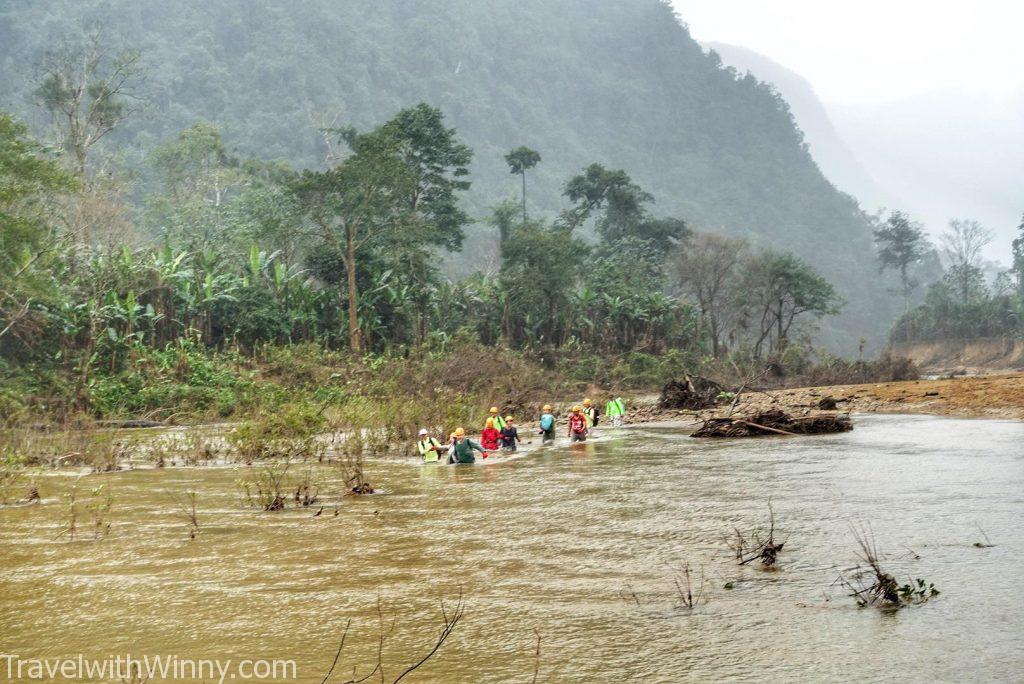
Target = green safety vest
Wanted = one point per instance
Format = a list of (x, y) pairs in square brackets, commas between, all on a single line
[(615, 408), (499, 422), (428, 454)]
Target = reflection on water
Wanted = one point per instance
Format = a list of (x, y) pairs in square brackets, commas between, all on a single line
[(551, 541)]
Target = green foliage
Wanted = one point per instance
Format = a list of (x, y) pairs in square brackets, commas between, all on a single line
[(28, 240), (287, 432), (1017, 248), (781, 287), (962, 305), (901, 244), (620, 82)]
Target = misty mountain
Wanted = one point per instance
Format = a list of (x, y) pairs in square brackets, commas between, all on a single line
[(831, 152), (946, 154), (620, 82)]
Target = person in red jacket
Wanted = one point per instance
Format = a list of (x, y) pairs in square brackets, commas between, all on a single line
[(489, 436), (577, 425)]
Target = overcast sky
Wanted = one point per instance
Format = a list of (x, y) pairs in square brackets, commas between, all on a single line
[(876, 50)]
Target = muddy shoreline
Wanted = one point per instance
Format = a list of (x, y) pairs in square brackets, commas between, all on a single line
[(984, 396)]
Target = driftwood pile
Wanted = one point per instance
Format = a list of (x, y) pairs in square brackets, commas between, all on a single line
[(693, 393), (773, 422)]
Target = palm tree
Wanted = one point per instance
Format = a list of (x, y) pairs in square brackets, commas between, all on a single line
[(520, 160)]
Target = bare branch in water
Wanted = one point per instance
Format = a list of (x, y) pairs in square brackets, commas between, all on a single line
[(337, 655), (450, 620), (536, 657)]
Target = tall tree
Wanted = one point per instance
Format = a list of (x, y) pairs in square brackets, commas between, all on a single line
[(198, 176), (1018, 258), (622, 208), (89, 88), (539, 270), (962, 245), (395, 193), (438, 163), (596, 188), (361, 199), (521, 160), (780, 288), (28, 239), (901, 244), (707, 269)]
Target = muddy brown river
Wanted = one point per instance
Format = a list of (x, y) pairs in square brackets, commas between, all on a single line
[(577, 545)]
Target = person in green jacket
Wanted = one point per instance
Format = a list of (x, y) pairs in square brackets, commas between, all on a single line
[(616, 411), (430, 448), (495, 415), (462, 448)]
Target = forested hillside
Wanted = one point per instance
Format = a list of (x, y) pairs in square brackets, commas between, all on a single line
[(831, 153), (619, 82)]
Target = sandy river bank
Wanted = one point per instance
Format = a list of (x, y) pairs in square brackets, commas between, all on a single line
[(985, 396)]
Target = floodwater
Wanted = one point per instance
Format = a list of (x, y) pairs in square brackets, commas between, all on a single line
[(579, 544)]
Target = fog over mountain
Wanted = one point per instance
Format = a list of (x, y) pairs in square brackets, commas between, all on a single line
[(945, 154), (940, 155)]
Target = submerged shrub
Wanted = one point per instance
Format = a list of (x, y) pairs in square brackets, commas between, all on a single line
[(287, 433)]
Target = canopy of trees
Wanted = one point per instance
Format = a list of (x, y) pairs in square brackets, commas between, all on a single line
[(620, 83)]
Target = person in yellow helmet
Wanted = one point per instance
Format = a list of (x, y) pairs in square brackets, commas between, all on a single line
[(509, 435), (490, 436), (495, 415), (462, 448), (577, 425), (591, 413), (547, 425)]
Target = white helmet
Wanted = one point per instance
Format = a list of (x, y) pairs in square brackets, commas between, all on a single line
[(424, 432)]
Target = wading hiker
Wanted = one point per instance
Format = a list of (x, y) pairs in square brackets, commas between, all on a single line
[(430, 448), (547, 425), (509, 435), (499, 422), (462, 448), (615, 410), (489, 436), (592, 415), (577, 425)]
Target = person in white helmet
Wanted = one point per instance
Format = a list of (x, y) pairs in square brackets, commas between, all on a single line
[(430, 448)]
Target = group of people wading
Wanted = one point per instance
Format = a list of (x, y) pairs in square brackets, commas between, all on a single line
[(501, 432)]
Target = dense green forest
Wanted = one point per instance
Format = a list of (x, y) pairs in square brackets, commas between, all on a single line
[(619, 83), (171, 222)]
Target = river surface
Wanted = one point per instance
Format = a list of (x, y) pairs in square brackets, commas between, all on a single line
[(580, 544)]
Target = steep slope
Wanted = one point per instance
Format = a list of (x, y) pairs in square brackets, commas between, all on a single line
[(614, 81), (832, 154)]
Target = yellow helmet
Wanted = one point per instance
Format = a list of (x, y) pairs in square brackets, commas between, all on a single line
[(508, 419), (489, 423), (494, 409), (576, 409), (547, 407), (460, 432), (586, 402)]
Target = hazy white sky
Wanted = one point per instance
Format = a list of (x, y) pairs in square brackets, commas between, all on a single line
[(875, 50)]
